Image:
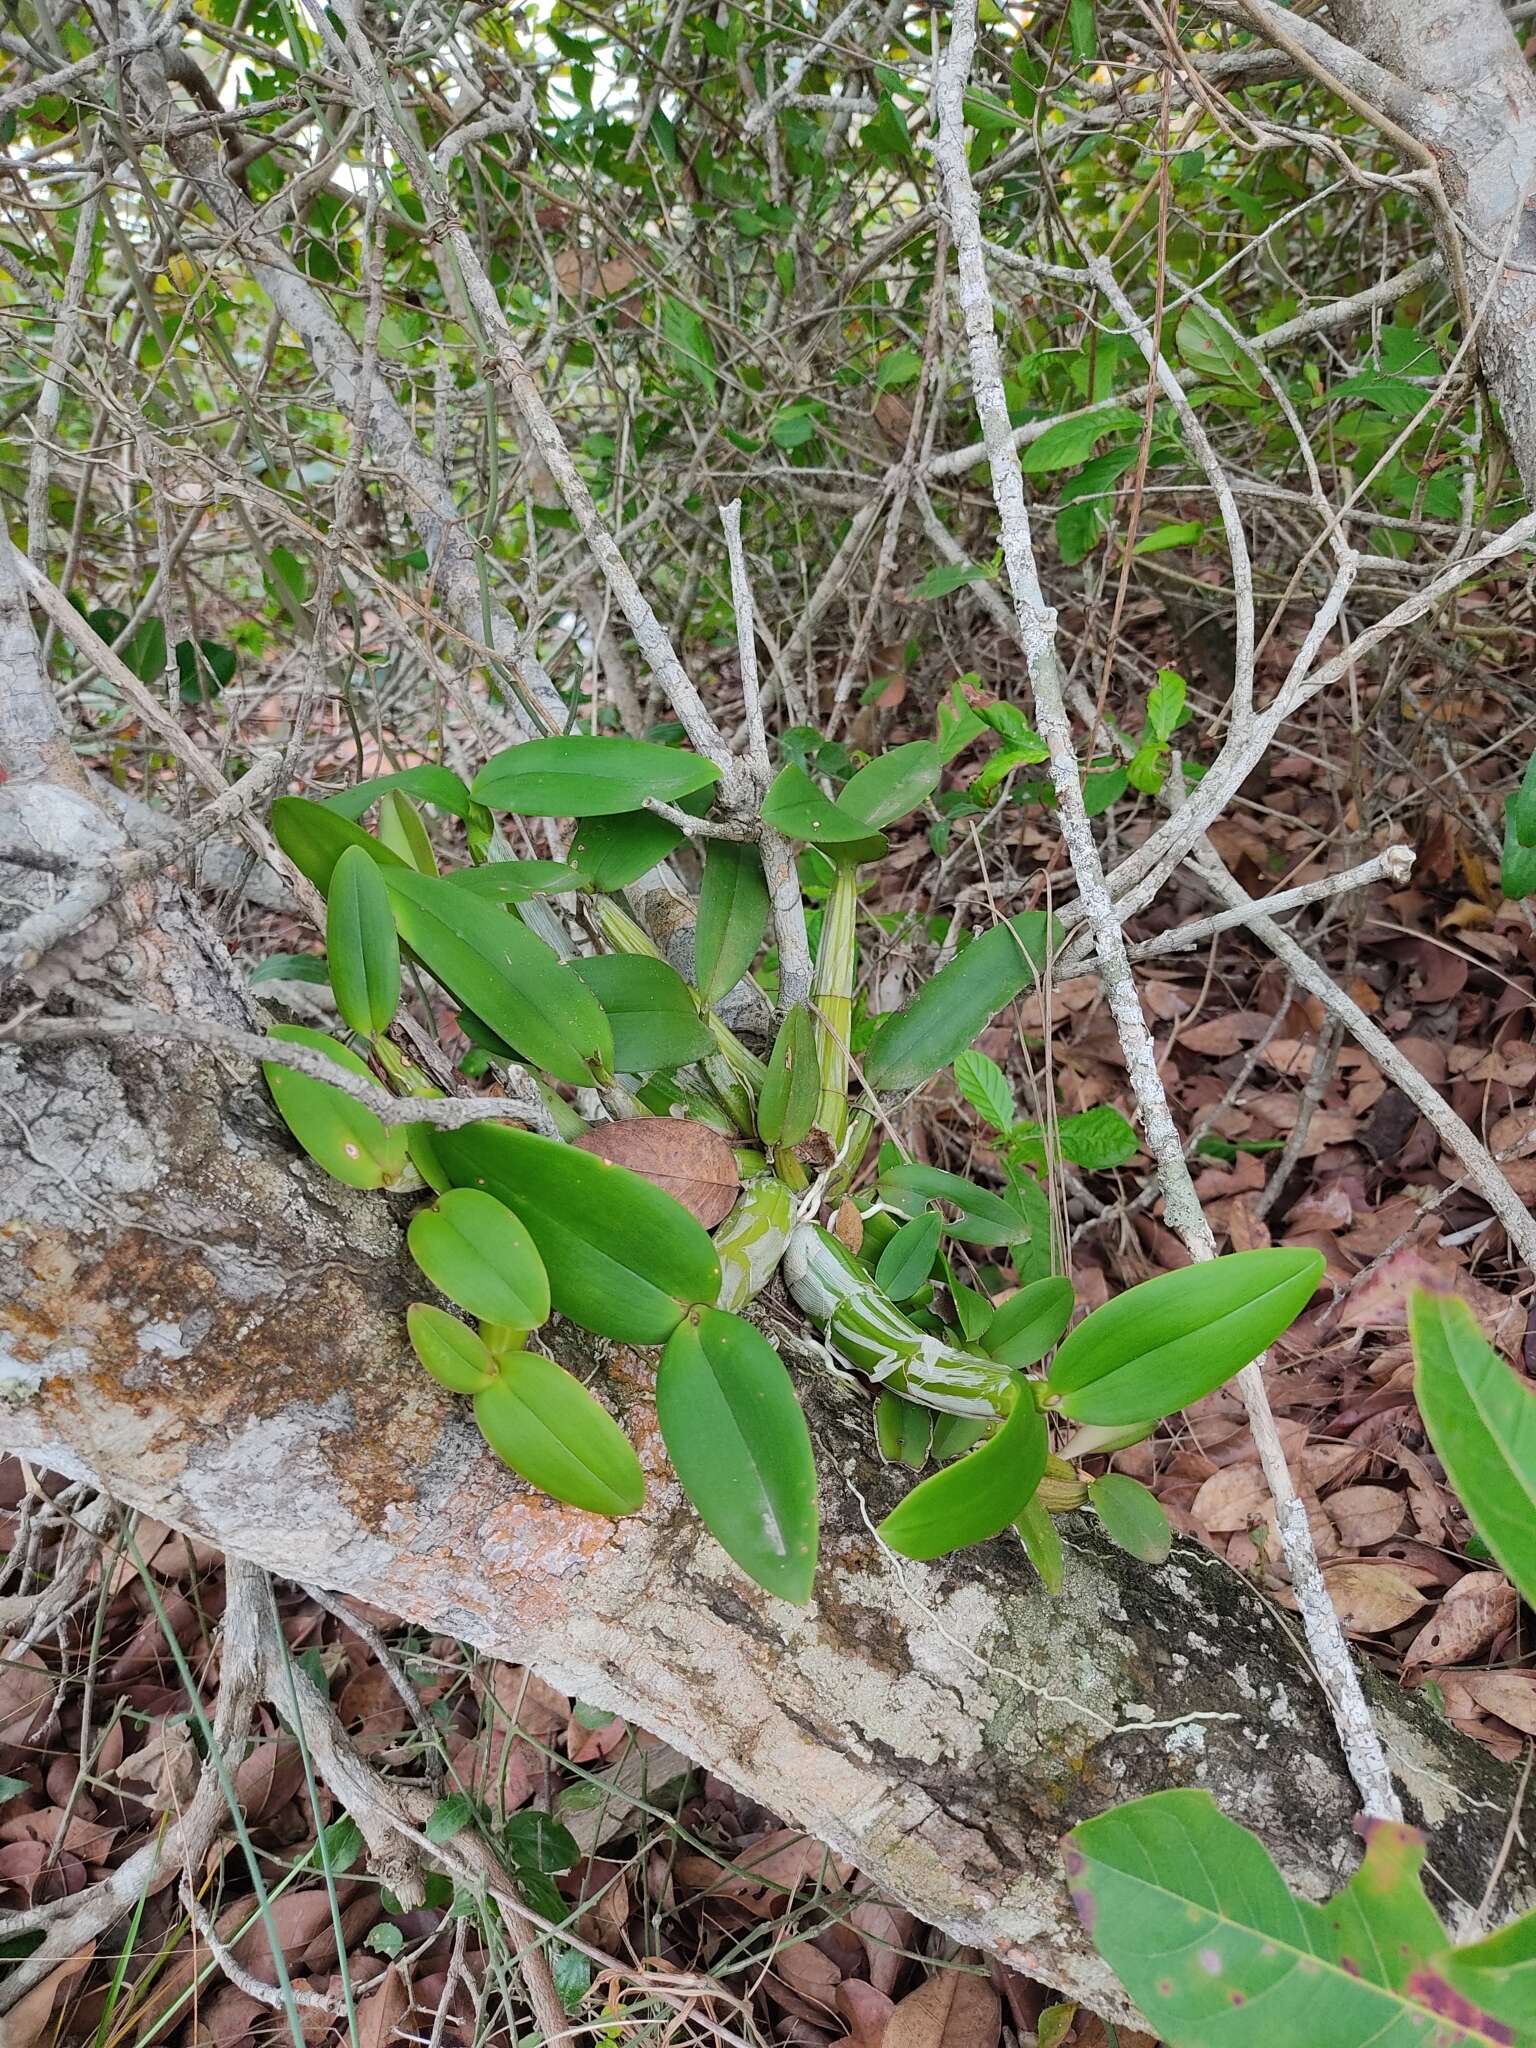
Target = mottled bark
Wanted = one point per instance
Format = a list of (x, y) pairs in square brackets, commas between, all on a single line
[(195, 1318)]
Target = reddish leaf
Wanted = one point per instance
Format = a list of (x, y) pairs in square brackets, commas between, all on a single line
[(685, 1159)]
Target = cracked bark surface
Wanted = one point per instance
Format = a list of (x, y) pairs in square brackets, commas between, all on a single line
[(198, 1320)]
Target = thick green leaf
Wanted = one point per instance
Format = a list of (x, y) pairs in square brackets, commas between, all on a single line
[(433, 785), (542, 1422), (449, 1349), (795, 806), (1066, 443), (475, 1251), (306, 967), (1036, 1529), (1481, 1418), (623, 1258), (786, 1108), (1198, 1924), (985, 1087), (517, 881), (907, 1259), (1030, 1322), (958, 1003), (488, 960), (538, 1842), (893, 784), (976, 1497), (609, 853), (400, 829), (1132, 1517), (903, 1430), (588, 776), (984, 1218), (1159, 1346), (649, 1010), (733, 915), (688, 341), (343, 1136), (738, 1442), (361, 944), (315, 838)]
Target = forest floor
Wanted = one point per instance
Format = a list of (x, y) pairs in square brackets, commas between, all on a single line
[(100, 1736)]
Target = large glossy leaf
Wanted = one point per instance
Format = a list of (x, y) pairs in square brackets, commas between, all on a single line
[(488, 960), (1159, 1346), (1481, 1418), (1196, 1921), (983, 1218), (906, 1260), (795, 806), (893, 784), (650, 1012), (450, 1350), (610, 853), (542, 1422), (338, 1133), (433, 785), (315, 838), (737, 1439), (1029, 1323), (472, 1248), (976, 1497), (623, 1258), (362, 947), (588, 776), (517, 881), (733, 915), (786, 1106), (958, 1003)]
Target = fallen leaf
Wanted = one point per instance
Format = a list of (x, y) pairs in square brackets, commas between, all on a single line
[(1366, 1515), (26, 1695), (1475, 1610), (1511, 1695), (866, 2011), (885, 1932), (954, 2009), (29, 2018), (684, 1158), (1232, 1500), (1371, 1599)]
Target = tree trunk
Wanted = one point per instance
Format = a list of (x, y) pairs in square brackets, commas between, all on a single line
[(197, 1320)]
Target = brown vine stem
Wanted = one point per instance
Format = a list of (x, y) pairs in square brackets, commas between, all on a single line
[(1357, 1733)]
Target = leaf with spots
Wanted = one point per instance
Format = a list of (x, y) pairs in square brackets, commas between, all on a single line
[(1189, 1911)]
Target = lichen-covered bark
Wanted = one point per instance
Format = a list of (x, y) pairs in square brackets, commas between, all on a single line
[(195, 1318)]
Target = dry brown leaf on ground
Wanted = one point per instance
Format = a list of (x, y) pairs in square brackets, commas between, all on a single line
[(1366, 1515), (886, 1932), (1371, 1599), (954, 2009), (30, 2019), (1510, 1695), (864, 2011), (1232, 1500), (684, 1158), (1474, 1611)]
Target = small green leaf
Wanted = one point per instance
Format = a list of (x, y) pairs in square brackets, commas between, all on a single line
[(893, 783), (1097, 1139), (1522, 806), (314, 839), (1030, 1322), (450, 1817), (1159, 1346), (623, 1258), (650, 1012), (478, 1254), (306, 967), (786, 1107), (985, 1087), (795, 806), (361, 945), (1069, 442), (737, 1439), (903, 1430), (955, 1005), (945, 577), (1165, 704), (538, 1842), (984, 1218), (490, 962), (1037, 1531), (449, 1349), (588, 776), (1132, 1517), (689, 344), (1181, 533), (897, 367), (542, 1422), (907, 1259), (1481, 1419), (976, 1497), (733, 916), (402, 831), (338, 1133)]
